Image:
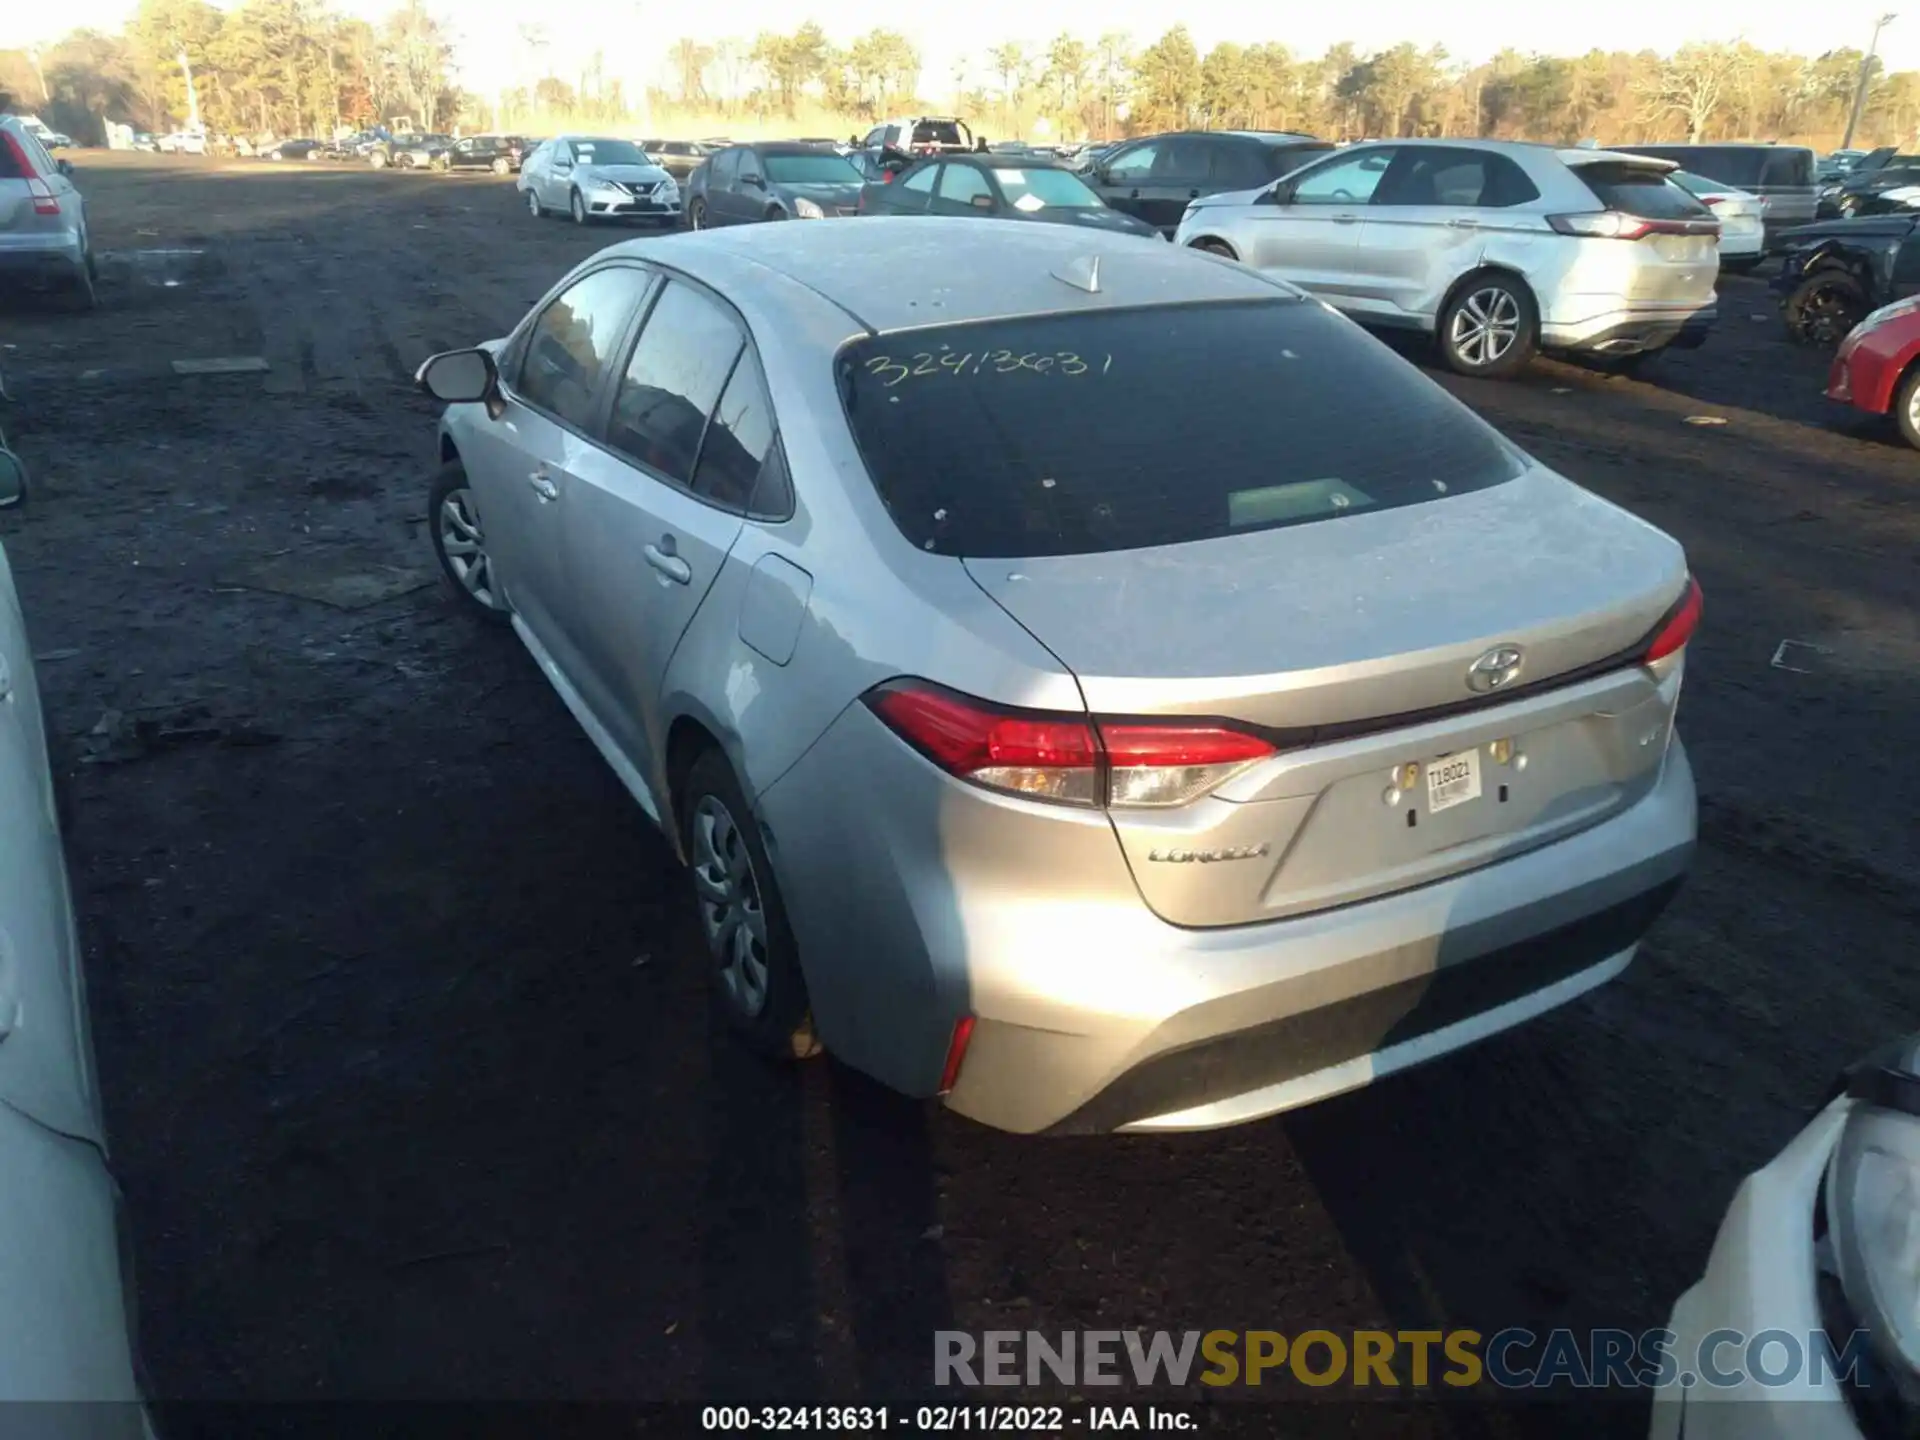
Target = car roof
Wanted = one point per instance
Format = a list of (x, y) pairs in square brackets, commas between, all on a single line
[(784, 147), (889, 275)]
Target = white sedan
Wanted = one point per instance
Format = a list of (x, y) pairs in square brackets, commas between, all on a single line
[(1806, 1325), (65, 1312), (1742, 217)]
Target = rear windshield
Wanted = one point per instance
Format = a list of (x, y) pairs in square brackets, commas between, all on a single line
[(1636, 190), (820, 168), (1120, 429), (937, 132)]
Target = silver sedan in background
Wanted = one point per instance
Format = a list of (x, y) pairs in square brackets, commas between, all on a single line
[(1096, 684), (589, 178)]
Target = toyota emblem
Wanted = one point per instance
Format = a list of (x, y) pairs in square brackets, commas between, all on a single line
[(1495, 670)]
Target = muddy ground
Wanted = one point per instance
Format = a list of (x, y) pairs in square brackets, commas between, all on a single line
[(408, 1069)]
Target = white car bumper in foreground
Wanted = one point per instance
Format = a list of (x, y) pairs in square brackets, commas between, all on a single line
[(1761, 1280)]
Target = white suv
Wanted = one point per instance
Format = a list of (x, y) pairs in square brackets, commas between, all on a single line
[(1496, 248)]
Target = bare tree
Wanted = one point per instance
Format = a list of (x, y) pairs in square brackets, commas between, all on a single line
[(1693, 85)]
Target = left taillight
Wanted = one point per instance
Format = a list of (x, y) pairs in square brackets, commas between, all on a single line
[(1065, 758), (1676, 627)]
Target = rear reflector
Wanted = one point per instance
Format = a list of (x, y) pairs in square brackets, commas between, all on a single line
[(956, 1053), (1066, 758), (1677, 628)]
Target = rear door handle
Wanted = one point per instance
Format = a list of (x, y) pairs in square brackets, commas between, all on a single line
[(543, 485), (1464, 224), (1345, 219), (668, 563)]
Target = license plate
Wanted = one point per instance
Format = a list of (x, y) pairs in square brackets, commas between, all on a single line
[(1453, 780)]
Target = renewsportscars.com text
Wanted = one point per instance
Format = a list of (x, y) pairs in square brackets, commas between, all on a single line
[(1511, 1359)]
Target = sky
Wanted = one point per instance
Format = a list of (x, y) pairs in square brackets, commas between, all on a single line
[(636, 33)]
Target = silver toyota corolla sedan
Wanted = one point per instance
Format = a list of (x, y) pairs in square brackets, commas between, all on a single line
[(1098, 684)]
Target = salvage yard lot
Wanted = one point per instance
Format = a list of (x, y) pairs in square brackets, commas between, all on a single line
[(399, 1013)]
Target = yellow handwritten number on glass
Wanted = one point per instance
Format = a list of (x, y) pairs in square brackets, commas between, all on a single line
[(880, 365)]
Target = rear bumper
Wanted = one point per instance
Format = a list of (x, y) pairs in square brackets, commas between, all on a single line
[(44, 258), (1093, 1014), (1631, 331)]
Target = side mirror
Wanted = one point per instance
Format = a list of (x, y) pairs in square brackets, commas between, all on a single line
[(65, 166), (459, 377), (1278, 194), (13, 480), (982, 202), (754, 182)]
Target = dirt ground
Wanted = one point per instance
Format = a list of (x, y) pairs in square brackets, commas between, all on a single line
[(408, 1066)]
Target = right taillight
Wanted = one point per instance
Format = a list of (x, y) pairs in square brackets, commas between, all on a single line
[(1065, 758), (45, 202), (1677, 626), (1618, 225)]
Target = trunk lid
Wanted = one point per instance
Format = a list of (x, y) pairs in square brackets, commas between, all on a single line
[(1349, 643)]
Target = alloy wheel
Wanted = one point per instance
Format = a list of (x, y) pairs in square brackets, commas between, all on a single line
[(728, 892), (1485, 326), (465, 546), (697, 215), (579, 208), (533, 203), (1829, 313)]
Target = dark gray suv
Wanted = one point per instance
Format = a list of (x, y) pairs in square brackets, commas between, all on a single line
[(1157, 177)]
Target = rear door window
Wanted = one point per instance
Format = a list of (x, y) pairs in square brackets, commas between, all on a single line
[(722, 169), (679, 367), (1444, 175), (1637, 190), (739, 438), (1001, 438), (937, 132)]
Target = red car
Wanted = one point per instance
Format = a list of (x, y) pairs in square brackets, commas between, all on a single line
[(1874, 367)]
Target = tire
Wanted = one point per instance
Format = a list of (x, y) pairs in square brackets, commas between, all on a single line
[(85, 295), (378, 160), (453, 521), (1824, 307), (1906, 407), (1492, 316), (696, 214), (501, 167), (534, 207), (756, 978), (577, 207)]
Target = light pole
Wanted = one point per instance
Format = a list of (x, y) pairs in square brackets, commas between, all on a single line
[(1866, 75)]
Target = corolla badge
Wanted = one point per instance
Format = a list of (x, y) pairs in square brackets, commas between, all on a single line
[(1495, 670), (1183, 856)]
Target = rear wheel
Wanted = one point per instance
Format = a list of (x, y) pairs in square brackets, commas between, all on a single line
[(1824, 307), (534, 207), (85, 295), (697, 214), (501, 167), (1906, 408), (1490, 328), (754, 963)]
